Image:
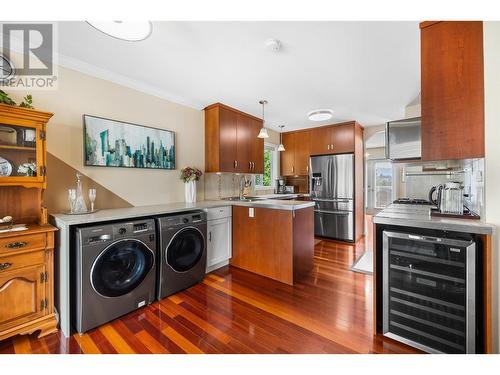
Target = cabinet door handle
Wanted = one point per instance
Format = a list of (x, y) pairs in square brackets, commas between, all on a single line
[(253, 166), (293, 169), (16, 245), (210, 236), (332, 146), (328, 146), (4, 266), (235, 163)]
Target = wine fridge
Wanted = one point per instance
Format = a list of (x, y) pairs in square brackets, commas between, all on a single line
[(429, 288)]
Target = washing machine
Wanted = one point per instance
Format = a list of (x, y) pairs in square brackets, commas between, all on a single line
[(182, 255), (115, 271)]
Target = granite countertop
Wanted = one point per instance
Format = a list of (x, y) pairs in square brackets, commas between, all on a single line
[(420, 216), (132, 212)]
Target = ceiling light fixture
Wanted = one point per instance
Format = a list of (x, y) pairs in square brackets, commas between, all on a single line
[(273, 44), (263, 130), (132, 31), (320, 115), (281, 147)]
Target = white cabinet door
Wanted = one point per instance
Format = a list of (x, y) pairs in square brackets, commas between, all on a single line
[(219, 242)]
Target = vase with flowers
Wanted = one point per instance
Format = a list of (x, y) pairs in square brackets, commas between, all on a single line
[(190, 175)]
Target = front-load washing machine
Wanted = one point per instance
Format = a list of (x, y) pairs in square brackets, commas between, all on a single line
[(115, 271), (182, 254)]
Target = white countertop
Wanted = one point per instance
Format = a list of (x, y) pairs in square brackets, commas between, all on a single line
[(132, 212), (419, 216)]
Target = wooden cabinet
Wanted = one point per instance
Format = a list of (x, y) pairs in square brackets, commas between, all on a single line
[(295, 158), (22, 141), (27, 282), (26, 257), (288, 156), (302, 150), (321, 140), (219, 237), (231, 143), (278, 244), (256, 146), (324, 140), (452, 90)]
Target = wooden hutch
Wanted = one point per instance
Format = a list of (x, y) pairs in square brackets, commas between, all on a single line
[(26, 257)]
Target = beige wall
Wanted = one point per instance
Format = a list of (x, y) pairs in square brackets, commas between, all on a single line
[(80, 94), (492, 161)]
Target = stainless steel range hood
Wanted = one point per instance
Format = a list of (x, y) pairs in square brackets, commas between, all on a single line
[(403, 139)]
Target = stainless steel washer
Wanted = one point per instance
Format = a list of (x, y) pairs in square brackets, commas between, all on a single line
[(115, 271), (183, 251)]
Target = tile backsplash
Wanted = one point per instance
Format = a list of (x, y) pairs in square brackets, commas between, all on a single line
[(414, 180), (224, 185)]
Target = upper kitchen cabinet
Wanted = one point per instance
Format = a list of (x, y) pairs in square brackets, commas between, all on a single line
[(231, 143), (452, 90), (256, 146), (332, 139), (22, 146), (295, 158), (287, 162)]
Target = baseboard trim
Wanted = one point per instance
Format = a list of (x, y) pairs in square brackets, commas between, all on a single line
[(217, 266)]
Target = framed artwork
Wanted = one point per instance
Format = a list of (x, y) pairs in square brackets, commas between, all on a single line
[(112, 143)]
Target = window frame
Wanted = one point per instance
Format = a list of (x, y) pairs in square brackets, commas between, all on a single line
[(275, 160)]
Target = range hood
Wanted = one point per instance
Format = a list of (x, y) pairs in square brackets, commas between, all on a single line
[(403, 140)]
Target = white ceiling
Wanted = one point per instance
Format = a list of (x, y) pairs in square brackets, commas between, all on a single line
[(364, 71)]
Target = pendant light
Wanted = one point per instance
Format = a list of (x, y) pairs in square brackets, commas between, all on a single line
[(263, 130), (281, 147)]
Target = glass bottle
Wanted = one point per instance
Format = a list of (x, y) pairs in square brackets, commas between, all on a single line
[(80, 205)]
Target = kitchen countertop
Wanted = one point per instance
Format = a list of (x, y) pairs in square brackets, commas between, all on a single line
[(132, 212), (420, 216)]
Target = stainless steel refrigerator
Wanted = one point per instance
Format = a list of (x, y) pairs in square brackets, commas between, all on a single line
[(332, 188)]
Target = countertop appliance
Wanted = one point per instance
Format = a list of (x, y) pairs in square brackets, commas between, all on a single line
[(280, 186), (403, 139), (182, 254), (429, 290), (449, 198), (332, 188), (115, 271)]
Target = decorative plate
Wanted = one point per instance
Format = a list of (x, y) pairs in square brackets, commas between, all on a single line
[(5, 167)]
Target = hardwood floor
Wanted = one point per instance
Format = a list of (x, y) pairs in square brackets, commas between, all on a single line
[(234, 311)]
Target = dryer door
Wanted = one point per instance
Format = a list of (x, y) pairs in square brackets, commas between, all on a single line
[(185, 249), (121, 267)]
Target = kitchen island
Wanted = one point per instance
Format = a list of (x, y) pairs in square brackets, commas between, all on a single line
[(275, 243)]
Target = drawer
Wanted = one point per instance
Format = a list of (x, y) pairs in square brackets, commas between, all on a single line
[(14, 262), (218, 212), (28, 242)]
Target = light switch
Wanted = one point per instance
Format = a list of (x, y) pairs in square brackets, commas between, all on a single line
[(250, 212)]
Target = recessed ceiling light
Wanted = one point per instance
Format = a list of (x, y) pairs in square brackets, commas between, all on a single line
[(273, 44), (132, 31), (320, 114)]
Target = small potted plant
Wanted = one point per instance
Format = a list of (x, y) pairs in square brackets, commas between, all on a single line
[(28, 169), (190, 175)]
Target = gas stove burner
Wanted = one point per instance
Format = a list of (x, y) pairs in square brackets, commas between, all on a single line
[(412, 201)]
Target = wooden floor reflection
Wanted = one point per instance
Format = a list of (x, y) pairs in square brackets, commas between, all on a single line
[(234, 311)]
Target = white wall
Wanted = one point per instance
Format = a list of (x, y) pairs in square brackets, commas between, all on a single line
[(492, 134), (79, 94)]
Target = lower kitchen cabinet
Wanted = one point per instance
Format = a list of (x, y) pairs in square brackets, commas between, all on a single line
[(27, 282), (219, 237)]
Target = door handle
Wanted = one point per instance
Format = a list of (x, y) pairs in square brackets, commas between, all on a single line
[(210, 236), (328, 146), (236, 164), (253, 166), (4, 266), (332, 146), (250, 166), (16, 245)]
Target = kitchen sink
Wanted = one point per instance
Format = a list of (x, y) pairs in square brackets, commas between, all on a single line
[(246, 199)]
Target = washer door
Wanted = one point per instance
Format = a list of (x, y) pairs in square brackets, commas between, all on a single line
[(185, 249), (121, 267)]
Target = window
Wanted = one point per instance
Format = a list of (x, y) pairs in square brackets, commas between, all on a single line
[(379, 183), (383, 184), (266, 180)]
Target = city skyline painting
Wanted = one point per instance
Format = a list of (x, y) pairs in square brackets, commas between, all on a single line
[(112, 143)]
